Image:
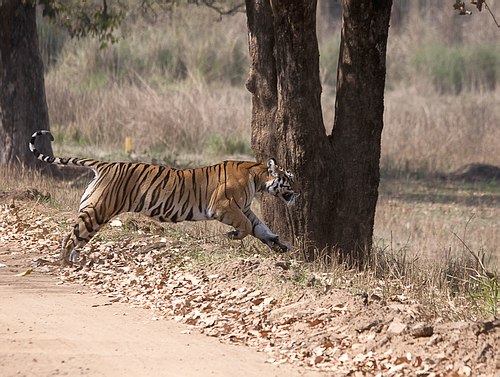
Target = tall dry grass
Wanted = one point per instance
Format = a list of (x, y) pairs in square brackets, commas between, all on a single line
[(438, 133), (174, 85), (162, 124)]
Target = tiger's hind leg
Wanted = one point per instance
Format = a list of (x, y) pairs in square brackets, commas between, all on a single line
[(84, 229)]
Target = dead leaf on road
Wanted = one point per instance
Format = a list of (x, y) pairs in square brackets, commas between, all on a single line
[(25, 273)]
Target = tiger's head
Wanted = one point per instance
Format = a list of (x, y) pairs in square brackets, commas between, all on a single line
[(282, 183)]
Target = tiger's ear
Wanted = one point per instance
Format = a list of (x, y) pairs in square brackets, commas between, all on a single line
[(272, 167)]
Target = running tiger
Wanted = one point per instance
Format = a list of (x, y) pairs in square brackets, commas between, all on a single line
[(220, 192)]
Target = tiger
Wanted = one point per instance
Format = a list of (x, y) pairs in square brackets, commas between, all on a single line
[(222, 192)]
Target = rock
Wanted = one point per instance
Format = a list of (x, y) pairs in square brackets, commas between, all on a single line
[(435, 339), (116, 223), (465, 371), (396, 327), (421, 330), (368, 325)]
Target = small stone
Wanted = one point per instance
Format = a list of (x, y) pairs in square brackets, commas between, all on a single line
[(396, 327), (435, 339), (368, 325), (465, 370), (116, 223), (421, 330)]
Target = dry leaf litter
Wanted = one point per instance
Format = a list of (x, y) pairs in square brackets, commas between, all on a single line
[(254, 302)]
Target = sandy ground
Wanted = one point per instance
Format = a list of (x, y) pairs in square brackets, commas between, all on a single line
[(59, 330)]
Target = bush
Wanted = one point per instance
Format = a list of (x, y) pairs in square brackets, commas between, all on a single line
[(221, 145), (453, 69)]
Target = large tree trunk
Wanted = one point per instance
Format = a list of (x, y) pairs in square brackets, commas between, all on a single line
[(287, 120), (23, 107)]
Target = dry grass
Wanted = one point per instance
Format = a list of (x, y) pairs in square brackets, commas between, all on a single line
[(174, 84), (428, 234), (422, 134), (434, 133), (62, 195), (162, 124)]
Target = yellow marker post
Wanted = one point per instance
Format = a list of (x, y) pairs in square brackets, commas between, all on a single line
[(128, 145)]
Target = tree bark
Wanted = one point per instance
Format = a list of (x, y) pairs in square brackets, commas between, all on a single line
[(287, 120), (23, 107), (358, 123)]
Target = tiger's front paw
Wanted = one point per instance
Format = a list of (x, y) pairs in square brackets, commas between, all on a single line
[(74, 256), (279, 246), (235, 235), (69, 258)]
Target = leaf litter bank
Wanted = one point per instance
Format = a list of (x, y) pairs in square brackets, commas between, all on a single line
[(256, 301)]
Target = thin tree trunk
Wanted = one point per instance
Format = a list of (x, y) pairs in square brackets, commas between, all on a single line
[(356, 134), (23, 107)]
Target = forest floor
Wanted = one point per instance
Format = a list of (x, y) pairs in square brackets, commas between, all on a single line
[(138, 304)]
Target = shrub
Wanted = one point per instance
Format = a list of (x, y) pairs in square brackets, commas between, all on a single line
[(453, 69), (228, 145)]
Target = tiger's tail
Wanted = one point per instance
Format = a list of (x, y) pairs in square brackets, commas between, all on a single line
[(58, 160)]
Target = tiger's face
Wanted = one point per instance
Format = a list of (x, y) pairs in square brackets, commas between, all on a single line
[(282, 183)]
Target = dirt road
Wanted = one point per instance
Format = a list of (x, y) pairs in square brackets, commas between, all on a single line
[(55, 330)]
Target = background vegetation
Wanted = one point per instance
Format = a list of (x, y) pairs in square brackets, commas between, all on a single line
[(174, 83)]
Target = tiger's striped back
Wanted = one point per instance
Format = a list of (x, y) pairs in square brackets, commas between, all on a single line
[(168, 194)]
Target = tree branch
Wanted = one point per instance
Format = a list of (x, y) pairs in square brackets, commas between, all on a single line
[(238, 7)]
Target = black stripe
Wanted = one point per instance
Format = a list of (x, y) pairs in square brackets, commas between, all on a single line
[(207, 177), (137, 187), (156, 191), (128, 170), (186, 204), (167, 206), (189, 216), (87, 220), (156, 211)]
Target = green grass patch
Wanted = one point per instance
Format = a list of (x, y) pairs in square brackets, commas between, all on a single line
[(452, 69), (218, 144)]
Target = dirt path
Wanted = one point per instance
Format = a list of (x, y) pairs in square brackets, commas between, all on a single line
[(52, 330)]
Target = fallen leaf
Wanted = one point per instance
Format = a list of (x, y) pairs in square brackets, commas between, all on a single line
[(315, 322), (318, 359), (25, 273), (116, 223)]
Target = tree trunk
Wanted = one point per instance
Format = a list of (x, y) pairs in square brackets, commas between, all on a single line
[(357, 129), (287, 120), (23, 107)]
